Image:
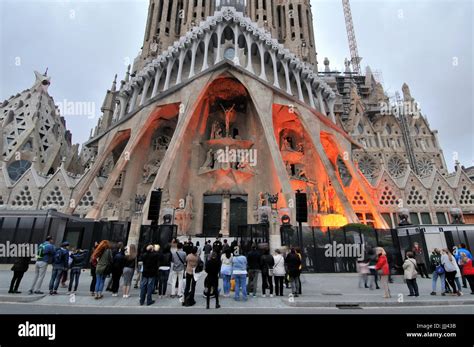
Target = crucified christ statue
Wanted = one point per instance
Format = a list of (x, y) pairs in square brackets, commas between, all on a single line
[(229, 113)]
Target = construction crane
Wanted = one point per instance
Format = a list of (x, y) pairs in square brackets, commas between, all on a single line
[(355, 59)]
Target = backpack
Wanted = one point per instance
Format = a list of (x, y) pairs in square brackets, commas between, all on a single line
[(200, 266), (58, 256), (40, 253)]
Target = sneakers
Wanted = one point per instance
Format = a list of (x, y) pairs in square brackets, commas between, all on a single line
[(264, 296), (38, 292), (150, 303), (30, 292), (271, 295), (114, 294), (218, 306), (433, 293)]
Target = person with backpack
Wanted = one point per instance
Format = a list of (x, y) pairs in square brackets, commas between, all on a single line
[(192, 261), (438, 272), (459, 251), (253, 259), (226, 270), (177, 270), (60, 264), (79, 260), (266, 264), (239, 274), (103, 257), (212, 279), (468, 270), (279, 272), (293, 263), (410, 272), (19, 268), (44, 257)]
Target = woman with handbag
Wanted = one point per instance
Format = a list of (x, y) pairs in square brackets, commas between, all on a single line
[(267, 263), (279, 272), (451, 268), (437, 271), (383, 270), (409, 273), (103, 256)]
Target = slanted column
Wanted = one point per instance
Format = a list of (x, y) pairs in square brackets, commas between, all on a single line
[(182, 55), (207, 38), (123, 105), (287, 77), (219, 30), (136, 89), (116, 112), (193, 59), (249, 41), (298, 85), (145, 89), (321, 101), (263, 75), (276, 83), (310, 93), (331, 103), (236, 45), (159, 71), (168, 74)]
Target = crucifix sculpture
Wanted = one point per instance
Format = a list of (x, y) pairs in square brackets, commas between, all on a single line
[(229, 113)]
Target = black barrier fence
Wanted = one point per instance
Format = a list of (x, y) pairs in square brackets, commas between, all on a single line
[(332, 250), (33, 227), (252, 234), (156, 234)]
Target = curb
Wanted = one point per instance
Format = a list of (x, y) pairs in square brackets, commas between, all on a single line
[(355, 304), (21, 298)]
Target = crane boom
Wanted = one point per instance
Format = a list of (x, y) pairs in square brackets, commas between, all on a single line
[(355, 59)]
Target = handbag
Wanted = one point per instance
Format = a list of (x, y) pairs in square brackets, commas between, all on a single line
[(440, 269)]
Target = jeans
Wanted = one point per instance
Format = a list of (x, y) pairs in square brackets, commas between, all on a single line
[(163, 281), (15, 283), (458, 283), (253, 281), (226, 281), (55, 278), (189, 290), (267, 283), (279, 285), (295, 284), (75, 273), (442, 278), (412, 286), (240, 284), (146, 289), (99, 284), (177, 275), (40, 271)]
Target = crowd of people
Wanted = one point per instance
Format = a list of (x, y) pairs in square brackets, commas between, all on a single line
[(178, 265), (181, 264), (450, 267)]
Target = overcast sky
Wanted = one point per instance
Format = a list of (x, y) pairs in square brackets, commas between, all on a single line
[(427, 44)]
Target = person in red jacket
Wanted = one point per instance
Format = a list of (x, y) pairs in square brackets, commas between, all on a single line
[(468, 270), (383, 270)]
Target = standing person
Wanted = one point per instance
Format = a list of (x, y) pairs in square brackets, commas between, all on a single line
[(438, 272), (420, 259), (266, 264), (130, 263), (199, 249), (212, 279), (188, 246), (44, 257), (363, 270), (279, 272), (373, 273), (191, 264), (93, 263), (293, 263), (103, 257), (300, 287), (207, 251), (468, 270), (382, 268), (460, 250), (118, 264), (64, 275), (409, 269), (19, 268), (177, 270), (164, 260), (60, 264), (217, 245), (239, 273), (226, 271), (78, 262), (450, 266), (225, 246), (150, 269), (253, 259)]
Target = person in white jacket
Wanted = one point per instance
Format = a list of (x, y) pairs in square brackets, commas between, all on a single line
[(279, 272), (410, 272), (452, 271)]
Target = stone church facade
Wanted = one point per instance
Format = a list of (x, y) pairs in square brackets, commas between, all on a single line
[(225, 110)]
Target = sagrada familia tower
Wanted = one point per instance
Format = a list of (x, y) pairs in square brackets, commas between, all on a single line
[(228, 112)]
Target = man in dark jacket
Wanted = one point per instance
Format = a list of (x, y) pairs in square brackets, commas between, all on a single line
[(253, 261), (19, 269), (293, 263), (150, 269), (212, 280), (60, 264)]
